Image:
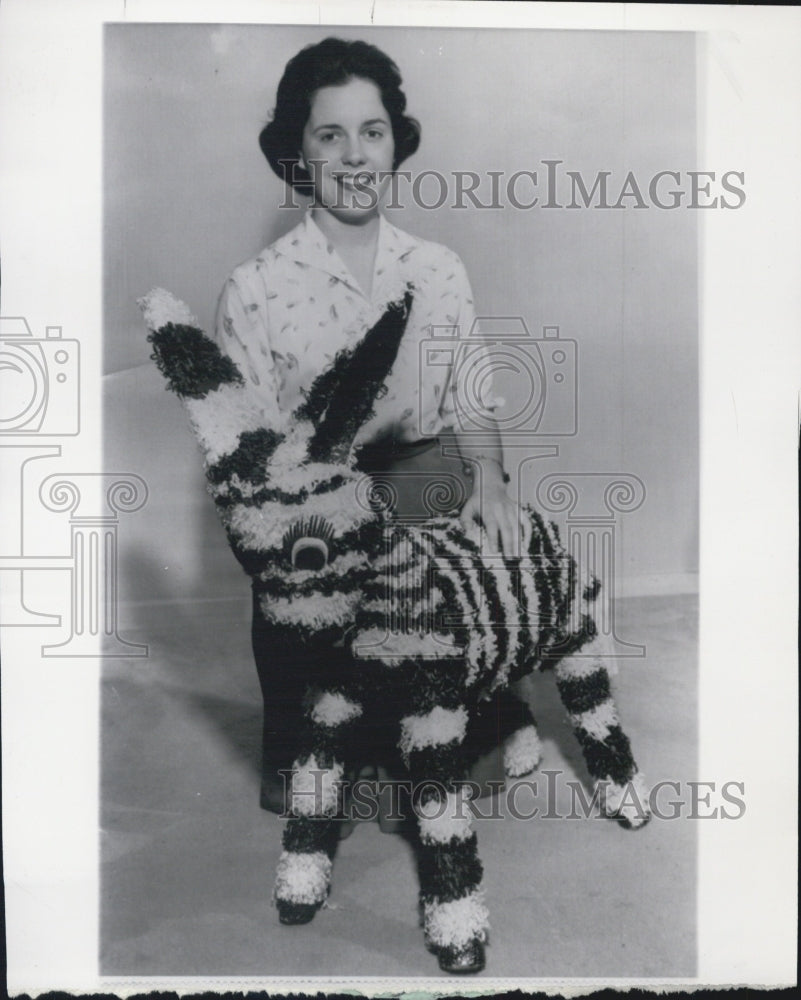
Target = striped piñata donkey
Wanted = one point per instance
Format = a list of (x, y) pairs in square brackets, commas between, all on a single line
[(424, 618)]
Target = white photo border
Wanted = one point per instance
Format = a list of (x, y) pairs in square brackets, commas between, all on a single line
[(750, 315)]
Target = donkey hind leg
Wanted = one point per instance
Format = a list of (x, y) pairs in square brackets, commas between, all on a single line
[(304, 869), (522, 749), (504, 720), (585, 689), (454, 915)]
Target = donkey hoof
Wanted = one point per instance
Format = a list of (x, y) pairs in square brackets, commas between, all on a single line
[(296, 913), (632, 821), (522, 752), (627, 804), (465, 960)]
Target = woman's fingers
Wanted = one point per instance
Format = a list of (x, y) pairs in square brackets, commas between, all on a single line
[(468, 514), (500, 522), (492, 529), (507, 528)]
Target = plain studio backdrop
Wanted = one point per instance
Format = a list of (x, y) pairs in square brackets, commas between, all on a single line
[(188, 195)]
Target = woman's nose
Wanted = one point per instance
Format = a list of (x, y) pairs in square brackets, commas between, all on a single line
[(354, 154)]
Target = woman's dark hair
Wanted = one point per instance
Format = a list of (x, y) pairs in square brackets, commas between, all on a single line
[(329, 63)]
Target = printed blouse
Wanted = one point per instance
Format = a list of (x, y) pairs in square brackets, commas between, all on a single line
[(285, 314)]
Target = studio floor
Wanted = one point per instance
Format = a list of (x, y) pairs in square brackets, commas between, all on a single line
[(188, 856)]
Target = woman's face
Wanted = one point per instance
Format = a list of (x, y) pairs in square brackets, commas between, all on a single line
[(348, 149)]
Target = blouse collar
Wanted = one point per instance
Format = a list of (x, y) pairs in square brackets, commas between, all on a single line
[(308, 245)]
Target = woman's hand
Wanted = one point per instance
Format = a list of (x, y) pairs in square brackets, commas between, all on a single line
[(508, 529), (501, 517)]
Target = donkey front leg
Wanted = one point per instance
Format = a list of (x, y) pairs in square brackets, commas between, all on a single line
[(586, 692), (310, 837), (455, 917)]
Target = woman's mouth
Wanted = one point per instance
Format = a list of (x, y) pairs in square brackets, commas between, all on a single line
[(356, 182)]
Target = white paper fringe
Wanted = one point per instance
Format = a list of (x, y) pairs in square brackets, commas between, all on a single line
[(315, 790), (334, 709), (221, 417), (628, 802), (598, 720), (303, 878), (457, 923), (439, 726), (522, 752), (441, 821), (160, 307)]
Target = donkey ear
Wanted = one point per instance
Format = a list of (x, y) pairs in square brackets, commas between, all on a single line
[(160, 307)]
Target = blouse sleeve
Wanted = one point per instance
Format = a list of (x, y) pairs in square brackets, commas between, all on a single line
[(241, 332), (468, 388)]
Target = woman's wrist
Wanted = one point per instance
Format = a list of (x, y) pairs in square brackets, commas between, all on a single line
[(489, 459), (492, 470)]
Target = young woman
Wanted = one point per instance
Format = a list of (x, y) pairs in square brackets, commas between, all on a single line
[(338, 133)]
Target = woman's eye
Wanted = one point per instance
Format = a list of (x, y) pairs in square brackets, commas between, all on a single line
[(327, 136), (374, 133)]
